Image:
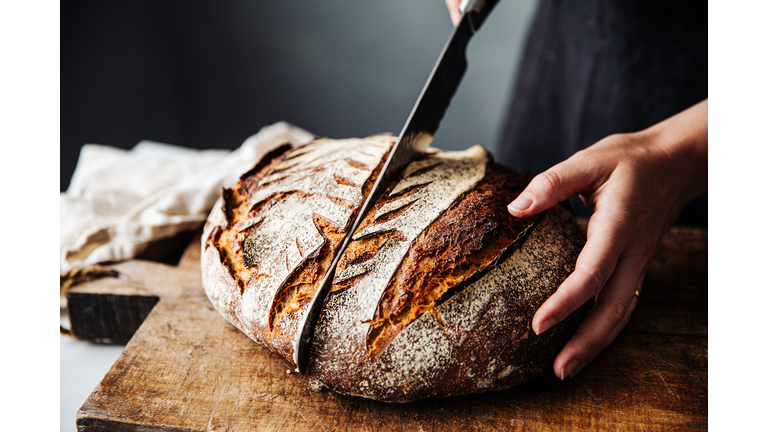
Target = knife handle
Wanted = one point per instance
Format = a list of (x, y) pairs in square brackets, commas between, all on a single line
[(478, 11)]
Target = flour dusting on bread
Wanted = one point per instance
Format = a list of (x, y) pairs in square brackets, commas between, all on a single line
[(281, 225), (435, 292)]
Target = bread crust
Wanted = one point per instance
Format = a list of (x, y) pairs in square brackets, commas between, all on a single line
[(270, 240), (474, 334), (433, 297)]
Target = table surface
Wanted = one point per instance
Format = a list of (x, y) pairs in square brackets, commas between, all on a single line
[(171, 374)]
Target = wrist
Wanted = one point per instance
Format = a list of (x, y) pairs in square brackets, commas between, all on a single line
[(683, 140)]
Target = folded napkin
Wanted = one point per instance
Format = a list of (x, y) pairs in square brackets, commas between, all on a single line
[(121, 201)]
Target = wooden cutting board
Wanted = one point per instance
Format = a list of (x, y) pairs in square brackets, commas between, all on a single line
[(187, 369)]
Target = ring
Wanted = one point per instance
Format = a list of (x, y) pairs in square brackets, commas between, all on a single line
[(637, 293)]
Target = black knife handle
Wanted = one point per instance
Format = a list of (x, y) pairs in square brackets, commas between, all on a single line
[(478, 11)]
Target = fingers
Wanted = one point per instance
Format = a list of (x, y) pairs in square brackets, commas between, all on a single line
[(613, 308), (594, 266), (576, 175), (454, 11), (622, 234)]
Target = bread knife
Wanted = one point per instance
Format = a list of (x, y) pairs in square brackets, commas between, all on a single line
[(417, 134)]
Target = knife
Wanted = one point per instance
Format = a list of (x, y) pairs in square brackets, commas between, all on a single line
[(415, 137)]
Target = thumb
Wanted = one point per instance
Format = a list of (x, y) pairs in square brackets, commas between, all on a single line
[(557, 184)]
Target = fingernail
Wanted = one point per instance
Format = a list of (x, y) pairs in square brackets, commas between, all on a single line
[(568, 369), (578, 369), (546, 325), (522, 202)]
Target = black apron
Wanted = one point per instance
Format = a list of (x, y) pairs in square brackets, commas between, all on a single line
[(594, 68)]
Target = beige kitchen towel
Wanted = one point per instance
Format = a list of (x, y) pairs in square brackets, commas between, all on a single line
[(120, 201)]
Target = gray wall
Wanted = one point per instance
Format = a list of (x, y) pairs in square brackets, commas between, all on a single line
[(208, 74)]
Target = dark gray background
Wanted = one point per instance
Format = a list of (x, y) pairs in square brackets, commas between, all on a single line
[(209, 74)]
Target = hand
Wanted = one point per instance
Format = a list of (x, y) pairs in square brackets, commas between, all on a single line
[(637, 184), (453, 9)]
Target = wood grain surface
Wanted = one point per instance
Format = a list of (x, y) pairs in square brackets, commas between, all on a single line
[(186, 369)]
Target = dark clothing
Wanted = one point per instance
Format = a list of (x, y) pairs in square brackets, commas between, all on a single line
[(594, 68)]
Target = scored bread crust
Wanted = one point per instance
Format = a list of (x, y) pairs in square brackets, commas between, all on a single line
[(269, 241), (433, 297), (471, 282)]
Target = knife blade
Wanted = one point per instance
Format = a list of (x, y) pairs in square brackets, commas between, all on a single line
[(415, 137)]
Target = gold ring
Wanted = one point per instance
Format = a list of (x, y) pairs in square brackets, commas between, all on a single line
[(637, 293)]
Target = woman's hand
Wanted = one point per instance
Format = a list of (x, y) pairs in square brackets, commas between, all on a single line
[(637, 184)]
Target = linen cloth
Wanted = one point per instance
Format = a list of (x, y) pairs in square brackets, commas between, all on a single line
[(120, 201)]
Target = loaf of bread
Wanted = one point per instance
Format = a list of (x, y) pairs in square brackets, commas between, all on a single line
[(433, 296)]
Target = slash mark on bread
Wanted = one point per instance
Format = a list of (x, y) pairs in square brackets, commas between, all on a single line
[(458, 249)]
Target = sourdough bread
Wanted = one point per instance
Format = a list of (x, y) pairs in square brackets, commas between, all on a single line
[(433, 297)]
